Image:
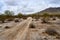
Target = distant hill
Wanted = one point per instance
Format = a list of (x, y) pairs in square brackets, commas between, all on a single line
[(51, 10)]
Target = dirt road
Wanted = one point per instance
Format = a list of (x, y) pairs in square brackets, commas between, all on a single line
[(18, 32)]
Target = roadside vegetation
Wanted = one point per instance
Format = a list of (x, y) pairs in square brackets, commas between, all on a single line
[(10, 15)]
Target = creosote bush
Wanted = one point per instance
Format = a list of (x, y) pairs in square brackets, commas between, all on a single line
[(54, 18), (16, 20), (45, 20), (51, 32), (0, 26), (32, 26), (7, 27), (10, 19), (58, 37)]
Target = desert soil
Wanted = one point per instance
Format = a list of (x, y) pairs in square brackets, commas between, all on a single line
[(22, 30)]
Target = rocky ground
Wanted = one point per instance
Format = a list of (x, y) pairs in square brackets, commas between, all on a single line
[(38, 32)]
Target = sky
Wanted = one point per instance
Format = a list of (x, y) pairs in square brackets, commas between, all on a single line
[(27, 6)]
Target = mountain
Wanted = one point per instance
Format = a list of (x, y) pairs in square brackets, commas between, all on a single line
[(51, 10)]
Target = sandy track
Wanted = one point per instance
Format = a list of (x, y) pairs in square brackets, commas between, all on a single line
[(16, 33)]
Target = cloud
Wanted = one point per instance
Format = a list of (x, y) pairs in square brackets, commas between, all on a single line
[(12, 2), (27, 6), (55, 1)]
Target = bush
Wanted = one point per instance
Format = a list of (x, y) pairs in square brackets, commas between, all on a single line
[(2, 20), (45, 20), (54, 18), (16, 20), (10, 19), (32, 26), (0, 26), (51, 31), (7, 27), (58, 37)]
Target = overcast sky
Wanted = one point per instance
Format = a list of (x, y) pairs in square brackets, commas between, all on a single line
[(27, 6)]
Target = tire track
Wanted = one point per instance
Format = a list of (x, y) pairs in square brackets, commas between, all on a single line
[(16, 33)]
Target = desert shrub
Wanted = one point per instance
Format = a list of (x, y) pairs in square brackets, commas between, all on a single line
[(10, 19), (45, 20), (51, 31), (58, 37), (7, 27), (54, 18), (0, 26), (2, 19), (32, 26), (16, 20), (45, 39)]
